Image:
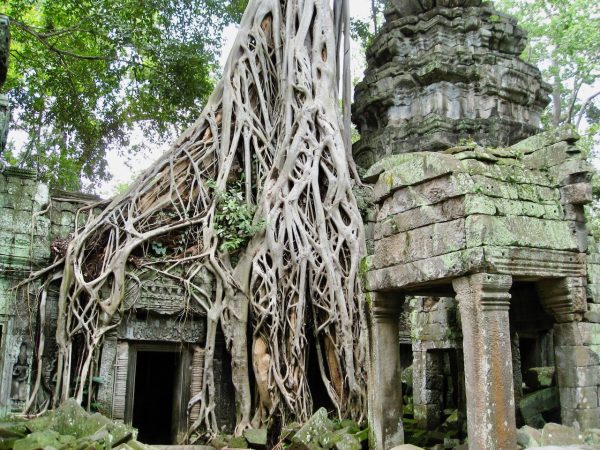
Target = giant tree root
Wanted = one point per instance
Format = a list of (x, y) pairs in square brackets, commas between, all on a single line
[(272, 128)]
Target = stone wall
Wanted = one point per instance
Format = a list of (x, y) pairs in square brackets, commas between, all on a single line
[(31, 219), (24, 246)]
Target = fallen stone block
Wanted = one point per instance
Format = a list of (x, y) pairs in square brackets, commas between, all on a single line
[(592, 436), (528, 437), (539, 377), (318, 425), (555, 434), (533, 405), (257, 436)]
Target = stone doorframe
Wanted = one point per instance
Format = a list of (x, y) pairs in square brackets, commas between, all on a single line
[(484, 302)]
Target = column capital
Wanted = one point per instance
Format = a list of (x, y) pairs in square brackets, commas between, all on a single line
[(490, 291), (386, 306)]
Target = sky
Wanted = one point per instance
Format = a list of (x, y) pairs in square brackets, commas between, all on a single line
[(124, 171)]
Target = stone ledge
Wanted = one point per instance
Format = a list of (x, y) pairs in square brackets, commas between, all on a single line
[(520, 262)]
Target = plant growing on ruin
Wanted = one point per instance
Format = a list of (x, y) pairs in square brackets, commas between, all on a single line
[(270, 139)]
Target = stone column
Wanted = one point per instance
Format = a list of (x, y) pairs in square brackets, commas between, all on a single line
[(428, 380), (385, 386), (106, 372), (483, 301)]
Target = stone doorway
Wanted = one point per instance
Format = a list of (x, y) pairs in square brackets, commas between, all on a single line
[(158, 392)]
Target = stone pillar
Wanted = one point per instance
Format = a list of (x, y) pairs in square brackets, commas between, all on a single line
[(428, 380), (106, 372), (484, 301), (385, 386)]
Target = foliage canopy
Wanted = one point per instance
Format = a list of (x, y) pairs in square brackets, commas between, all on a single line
[(83, 73)]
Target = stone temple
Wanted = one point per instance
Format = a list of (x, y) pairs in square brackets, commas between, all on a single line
[(480, 264), (483, 281)]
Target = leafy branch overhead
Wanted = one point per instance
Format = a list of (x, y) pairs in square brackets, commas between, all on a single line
[(83, 73)]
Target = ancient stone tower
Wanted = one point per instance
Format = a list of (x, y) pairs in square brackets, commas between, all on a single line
[(441, 74), (478, 232)]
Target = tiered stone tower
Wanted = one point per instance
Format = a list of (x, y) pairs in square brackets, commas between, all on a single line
[(442, 71)]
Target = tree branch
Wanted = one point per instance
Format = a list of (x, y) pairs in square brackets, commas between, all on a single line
[(585, 106)]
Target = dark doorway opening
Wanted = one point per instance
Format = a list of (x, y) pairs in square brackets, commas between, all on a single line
[(155, 377)]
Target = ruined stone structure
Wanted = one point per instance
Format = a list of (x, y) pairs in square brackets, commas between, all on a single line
[(159, 342), (480, 221), (437, 75), (480, 273)]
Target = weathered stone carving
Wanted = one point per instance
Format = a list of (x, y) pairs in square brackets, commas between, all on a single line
[(20, 377), (438, 73)]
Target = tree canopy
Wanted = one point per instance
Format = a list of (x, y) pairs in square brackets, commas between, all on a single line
[(565, 43), (83, 73)]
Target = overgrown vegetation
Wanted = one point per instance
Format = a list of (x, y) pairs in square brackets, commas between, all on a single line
[(258, 193)]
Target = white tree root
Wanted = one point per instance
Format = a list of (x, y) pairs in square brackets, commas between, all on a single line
[(273, 125)]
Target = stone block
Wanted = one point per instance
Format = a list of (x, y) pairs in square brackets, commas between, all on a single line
[(573, 376), (496, 188), (416, 218), (410, 169), (592, 436), (564, 173), (533, 405), (592, 316), (547, 157), (594, 275), (576, 194), (529, 437), (257, 436), (546, 139), (419, 272), (555, 434), (504, 169), (553, 211), (583, 419), (537, 263), (421, 243), (42, 194), (579, 356), (576, 333), (520, 232), (579, 397), (479, 204), (539, 377), (316, 425), (429, 193), (593, 291)]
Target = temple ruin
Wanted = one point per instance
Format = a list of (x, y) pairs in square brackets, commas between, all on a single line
[(479, 252), (482, 280)]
